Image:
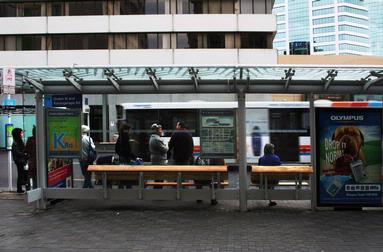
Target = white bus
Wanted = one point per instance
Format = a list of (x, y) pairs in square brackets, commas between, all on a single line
[(285, 124)]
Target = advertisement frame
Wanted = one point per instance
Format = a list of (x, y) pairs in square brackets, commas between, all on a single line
[(229, 112), (74, 154), (318, 174)]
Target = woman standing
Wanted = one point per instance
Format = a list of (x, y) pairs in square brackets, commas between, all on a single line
[(30, 149), (20, 158)]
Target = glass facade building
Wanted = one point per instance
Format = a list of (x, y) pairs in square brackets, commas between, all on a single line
[(329, 27)]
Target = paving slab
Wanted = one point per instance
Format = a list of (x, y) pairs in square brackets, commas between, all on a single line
[(91, 225)]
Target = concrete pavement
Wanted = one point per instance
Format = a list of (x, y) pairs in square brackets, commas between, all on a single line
[(100, 226)]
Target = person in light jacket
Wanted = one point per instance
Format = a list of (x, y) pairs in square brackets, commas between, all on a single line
[(157, 147), (86, 143)]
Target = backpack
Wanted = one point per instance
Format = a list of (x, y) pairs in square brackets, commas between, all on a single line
[(92, 154)]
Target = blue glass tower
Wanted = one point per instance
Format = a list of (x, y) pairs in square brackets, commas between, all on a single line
[(329, 27)]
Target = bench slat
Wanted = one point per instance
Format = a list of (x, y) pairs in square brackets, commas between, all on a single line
[(157, 168), (281, 169)]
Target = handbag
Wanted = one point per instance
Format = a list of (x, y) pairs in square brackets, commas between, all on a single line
[(92, 154)]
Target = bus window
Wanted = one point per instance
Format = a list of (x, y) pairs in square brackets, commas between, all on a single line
[(286, 125), (120, 112), (169, 119), (95, 117)]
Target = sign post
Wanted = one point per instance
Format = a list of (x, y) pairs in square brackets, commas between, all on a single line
[(8, 84)]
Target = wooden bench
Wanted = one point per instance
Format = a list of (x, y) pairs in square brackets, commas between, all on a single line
[(141, 173), (266, 174)]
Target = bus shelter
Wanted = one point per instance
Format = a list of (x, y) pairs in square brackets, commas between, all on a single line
[(239, 80)]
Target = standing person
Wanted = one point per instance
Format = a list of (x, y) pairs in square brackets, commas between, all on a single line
[(20, 158), (157, 147), (270, 159), (30, 150), (181, 145), (122, 147), (86, 144)]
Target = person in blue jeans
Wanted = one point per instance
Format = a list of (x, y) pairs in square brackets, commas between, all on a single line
[(269, 159)]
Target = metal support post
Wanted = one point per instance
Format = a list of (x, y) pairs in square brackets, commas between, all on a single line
[(242, 150), (313, 179), (10, 187), (41, 143), (105, 118)]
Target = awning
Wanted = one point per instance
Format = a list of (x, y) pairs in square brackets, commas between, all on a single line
[(209, 79)]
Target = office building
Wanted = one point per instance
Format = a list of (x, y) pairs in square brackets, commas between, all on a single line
[(146, 33), (326, 27)]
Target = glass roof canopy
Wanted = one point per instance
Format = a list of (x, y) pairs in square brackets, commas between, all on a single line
[(206, 79)]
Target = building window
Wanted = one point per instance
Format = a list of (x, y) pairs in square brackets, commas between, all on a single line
[(30, 42), (215, 40), (138, 7), (57, 9), (86, 8), (30, 10), (205, 7), (187, 40), (79, 41), (253, 40), (7, 9)]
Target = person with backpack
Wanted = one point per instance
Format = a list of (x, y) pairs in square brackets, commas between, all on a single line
[(88, 156)]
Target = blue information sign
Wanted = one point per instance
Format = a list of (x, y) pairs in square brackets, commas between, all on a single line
[(68, 101)]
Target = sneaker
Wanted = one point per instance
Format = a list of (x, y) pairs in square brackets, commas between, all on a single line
[(20, 191)]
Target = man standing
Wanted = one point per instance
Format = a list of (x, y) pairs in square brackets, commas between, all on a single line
[(157, 146), (181, 145)]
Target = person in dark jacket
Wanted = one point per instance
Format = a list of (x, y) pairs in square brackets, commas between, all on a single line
[(270, 159), (181, 145), (30, 150), (20, 158), (122, 147)]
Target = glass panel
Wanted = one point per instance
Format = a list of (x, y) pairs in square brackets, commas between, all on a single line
[(150, 6), (214, 6), (254, 40), (169, 118), (152, 41), (57, 9), (96, 122), (32, 9), (215, 40), (183, 7), (246, 7), (196, 6), (29, 43), (187, 40), (119, 41), (140, 121), (133, 7), (7, 10), (85, 8), (227, 6), (259, 7), (2, 43), (132, 41), (97, 41)]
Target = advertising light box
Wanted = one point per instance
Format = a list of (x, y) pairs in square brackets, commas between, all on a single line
[(349, 162)]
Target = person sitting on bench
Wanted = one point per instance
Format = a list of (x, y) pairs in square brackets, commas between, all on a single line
[(270, 159)]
